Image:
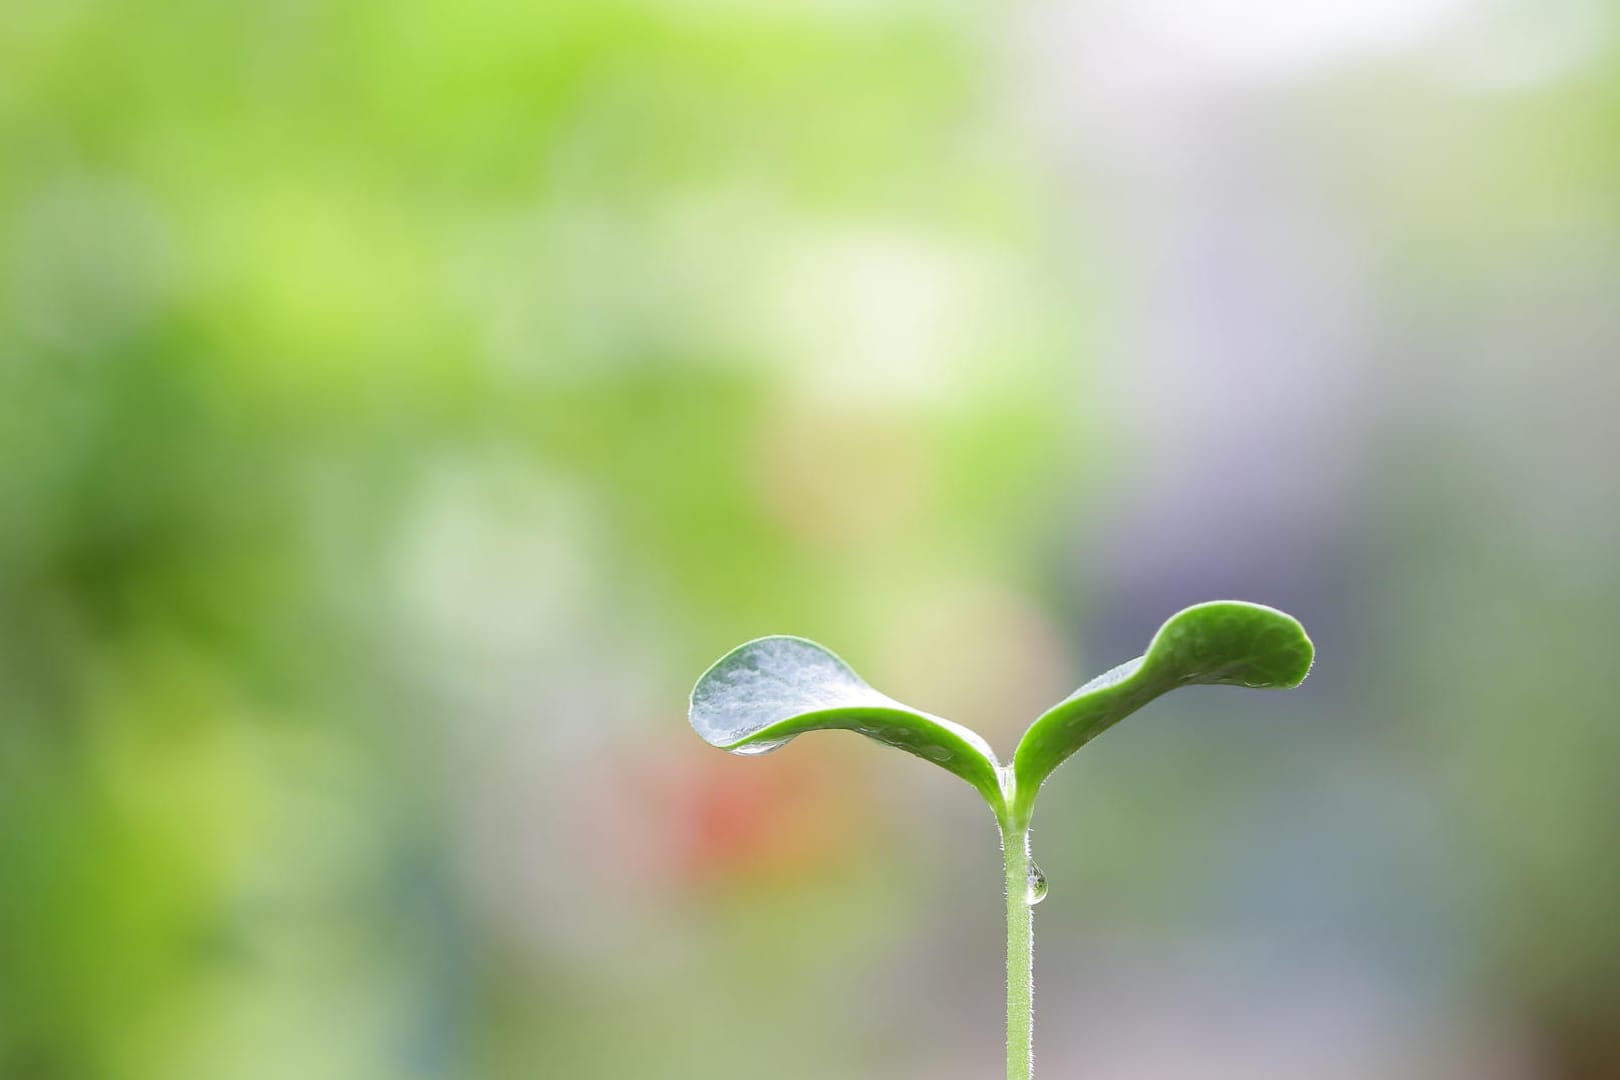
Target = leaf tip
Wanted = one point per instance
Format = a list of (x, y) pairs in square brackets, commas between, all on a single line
[(1237, 642), (761, 683)]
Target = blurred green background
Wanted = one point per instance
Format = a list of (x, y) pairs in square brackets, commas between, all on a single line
[(400, 404)]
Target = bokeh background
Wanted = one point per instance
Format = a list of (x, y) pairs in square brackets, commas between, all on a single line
[(401, 403)]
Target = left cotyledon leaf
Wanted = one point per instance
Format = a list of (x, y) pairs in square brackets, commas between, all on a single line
[(760, 695)]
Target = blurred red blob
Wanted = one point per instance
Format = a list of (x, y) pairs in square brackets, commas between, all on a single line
[(716, 819)]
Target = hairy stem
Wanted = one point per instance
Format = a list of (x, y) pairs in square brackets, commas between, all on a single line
[(1020, 952)]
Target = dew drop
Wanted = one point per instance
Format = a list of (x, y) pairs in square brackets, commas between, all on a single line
[(763, 747), (1037, 885)]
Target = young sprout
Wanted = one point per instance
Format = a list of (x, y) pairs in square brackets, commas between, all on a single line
[(760, 695)]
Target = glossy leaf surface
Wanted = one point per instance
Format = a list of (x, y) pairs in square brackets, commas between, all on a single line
[(760, 695), (1226, 643)]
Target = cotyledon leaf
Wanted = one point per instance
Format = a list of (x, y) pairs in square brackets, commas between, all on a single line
[(1226, 643), (763, 693)]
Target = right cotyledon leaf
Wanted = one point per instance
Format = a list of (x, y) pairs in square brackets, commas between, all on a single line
[(1223, 643), (763, 693)]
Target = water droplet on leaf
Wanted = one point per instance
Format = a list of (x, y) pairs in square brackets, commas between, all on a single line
[(1037, 885), (763, 746)]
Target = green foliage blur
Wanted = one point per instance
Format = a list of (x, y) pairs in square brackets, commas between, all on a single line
[(401, 403)]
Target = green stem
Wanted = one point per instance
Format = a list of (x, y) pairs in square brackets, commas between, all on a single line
[(1020, 952)]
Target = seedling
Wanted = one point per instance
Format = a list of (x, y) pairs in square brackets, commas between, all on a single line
[(760, 695)]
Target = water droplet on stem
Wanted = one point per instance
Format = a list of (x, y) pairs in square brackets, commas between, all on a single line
[(1036, 891)]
